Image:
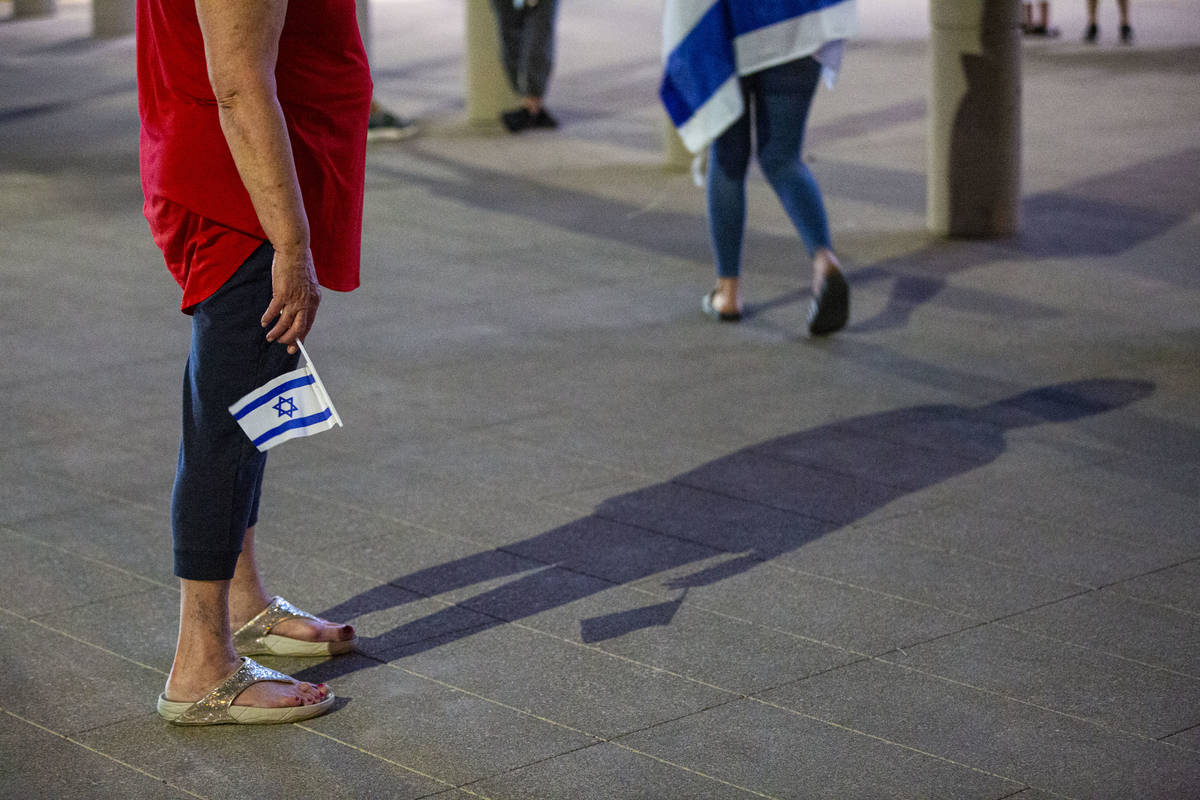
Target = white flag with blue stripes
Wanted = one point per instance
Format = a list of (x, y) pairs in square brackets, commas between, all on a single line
[(708, 44), (294, 404)]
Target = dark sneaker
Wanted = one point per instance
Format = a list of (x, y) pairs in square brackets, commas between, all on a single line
[(517, 120), (384, 126), (542, 119), (1091, 33), (1126, 34)]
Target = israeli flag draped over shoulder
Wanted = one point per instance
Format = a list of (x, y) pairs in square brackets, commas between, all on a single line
[(294, 404), (709, 44)]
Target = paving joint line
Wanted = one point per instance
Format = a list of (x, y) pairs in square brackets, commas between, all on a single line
[(630, 587), (654, 668), (1010, 698), (385, 759), (164, 673), (1089, 648), (598, 738), (736, 697), (526, 765), (101, 753), (74, 554), (1176, 733), (903, 746), (80, 640), (980, 560)]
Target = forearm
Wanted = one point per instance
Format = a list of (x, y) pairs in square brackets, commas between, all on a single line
[(254, 128)]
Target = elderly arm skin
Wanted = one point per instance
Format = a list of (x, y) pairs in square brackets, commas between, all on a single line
[(241, 44)]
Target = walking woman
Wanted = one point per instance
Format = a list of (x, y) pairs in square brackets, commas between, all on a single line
[(740, 75)]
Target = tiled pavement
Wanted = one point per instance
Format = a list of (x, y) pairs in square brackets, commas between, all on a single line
[(597, 546)]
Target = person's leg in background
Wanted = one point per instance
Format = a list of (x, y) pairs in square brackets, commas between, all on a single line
[(1041, 26), (725, 190), (537, 58), (784, 98), (1126, 25), (1092, 31), (508, 22), (527, 43)]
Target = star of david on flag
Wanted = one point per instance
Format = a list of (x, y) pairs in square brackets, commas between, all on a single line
[(294, 404)]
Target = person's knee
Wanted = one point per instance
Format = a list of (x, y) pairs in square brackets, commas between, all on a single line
[(778, 164), (731, 160)]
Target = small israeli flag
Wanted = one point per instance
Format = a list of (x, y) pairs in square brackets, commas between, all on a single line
[(294, 404)]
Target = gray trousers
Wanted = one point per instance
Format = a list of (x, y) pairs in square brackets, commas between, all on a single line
[(527, 44)]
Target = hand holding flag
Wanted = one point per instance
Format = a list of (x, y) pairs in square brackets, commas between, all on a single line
[(294, 404)]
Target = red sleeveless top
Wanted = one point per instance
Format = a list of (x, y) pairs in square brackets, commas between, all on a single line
[(199, 212)]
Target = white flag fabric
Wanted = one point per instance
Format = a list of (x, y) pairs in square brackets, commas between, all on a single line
[(294, 404)]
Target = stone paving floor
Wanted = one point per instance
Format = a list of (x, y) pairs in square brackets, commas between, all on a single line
[(596, 545)]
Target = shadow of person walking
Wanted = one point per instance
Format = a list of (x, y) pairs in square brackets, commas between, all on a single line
[(733, 514)]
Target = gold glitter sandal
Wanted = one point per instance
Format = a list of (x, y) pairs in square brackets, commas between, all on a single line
[(217, 708), (255, 637)]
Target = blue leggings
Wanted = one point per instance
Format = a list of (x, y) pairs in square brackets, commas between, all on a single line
[(779, 98), (219, 477)]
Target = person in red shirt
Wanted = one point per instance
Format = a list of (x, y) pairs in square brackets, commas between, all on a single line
[(252, 154)]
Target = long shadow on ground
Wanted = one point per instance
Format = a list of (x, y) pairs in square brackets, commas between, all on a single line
[(734, 514)]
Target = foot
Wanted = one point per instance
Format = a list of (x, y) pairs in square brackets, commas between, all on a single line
[(1091, 33), (724, 303), (384, 126), (830, 307), (304, 630), (517, 120), (319, 630), (189, 683), (542, 119), (1126, 34)]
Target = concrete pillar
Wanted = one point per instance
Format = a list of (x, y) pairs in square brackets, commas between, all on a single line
[(33, 8), (974, 176), (112, 18), (488, 90)]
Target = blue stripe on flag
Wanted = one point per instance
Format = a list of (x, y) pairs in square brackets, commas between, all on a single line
[(705, 59), (751, 16), (278, 390), (688, 81), (302, 422)]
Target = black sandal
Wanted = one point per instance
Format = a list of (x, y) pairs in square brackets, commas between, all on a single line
[(830, 307)]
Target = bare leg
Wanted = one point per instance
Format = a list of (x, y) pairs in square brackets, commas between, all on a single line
[(204, 654), (1091, 11), (1123, 10), (248, 596)]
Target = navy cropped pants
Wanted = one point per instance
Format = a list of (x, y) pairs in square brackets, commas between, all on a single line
[(219, 478)]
